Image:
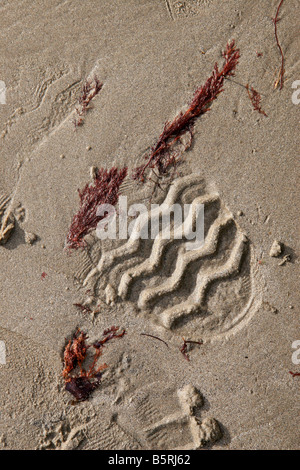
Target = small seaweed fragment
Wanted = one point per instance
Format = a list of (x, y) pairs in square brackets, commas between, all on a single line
[(281, 72), (194, 342), (103, 190), (81, 384), (89, 90), (255, 99), (83, 308), (163, 155), (294, 374), (109, 334), (81, 387), (155, 337), (183, 348)]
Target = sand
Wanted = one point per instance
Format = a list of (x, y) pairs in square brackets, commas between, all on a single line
[(236, 391)]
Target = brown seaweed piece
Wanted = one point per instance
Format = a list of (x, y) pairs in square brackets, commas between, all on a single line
[(81, 383)]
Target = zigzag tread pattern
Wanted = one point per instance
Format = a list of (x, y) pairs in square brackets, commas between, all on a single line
[(154, 283)]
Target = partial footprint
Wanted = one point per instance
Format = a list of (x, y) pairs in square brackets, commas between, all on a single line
[(185, 8), (169, 419), (62, 437), (110, 437)]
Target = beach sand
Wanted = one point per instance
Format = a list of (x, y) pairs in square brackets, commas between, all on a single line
[(150, 56)]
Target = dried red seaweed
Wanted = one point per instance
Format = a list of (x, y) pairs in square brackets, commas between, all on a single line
[(109, 334), (83, 308), (81, 384), (194, 342), (183, 348), (255, 99), (294, 374), (155, 337), (163, 155), (90, 89), (281, 73), (104, 190), (75, 353)]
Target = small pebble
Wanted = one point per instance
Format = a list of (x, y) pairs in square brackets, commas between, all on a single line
[(62, 156), (93, 172), (276, 249), (88, 147), (240, 213), (30, 238)]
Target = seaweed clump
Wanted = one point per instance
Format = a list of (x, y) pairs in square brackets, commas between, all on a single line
[(79, 381), (90, 89), (163, 155), (104, 190)]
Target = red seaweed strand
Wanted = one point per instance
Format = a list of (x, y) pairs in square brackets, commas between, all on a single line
[(163, 155), (90, 89), (109, 334), (255, 99), (194, 342), (103, 190), (294, 374), (183, 348), (275, 21), (155, 337)]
